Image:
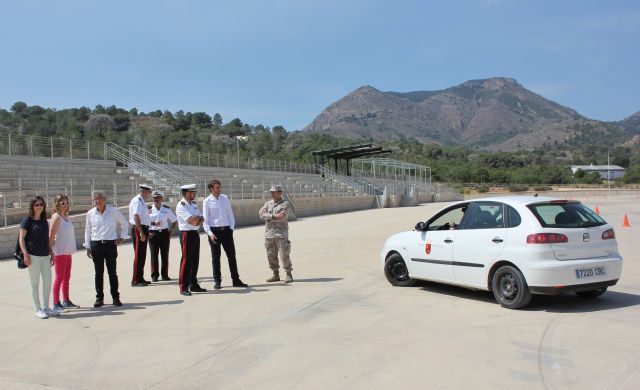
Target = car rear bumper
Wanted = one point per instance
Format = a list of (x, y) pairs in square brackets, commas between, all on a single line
[(555, 290), (551, 275)]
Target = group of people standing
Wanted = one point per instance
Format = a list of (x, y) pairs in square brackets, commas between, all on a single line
[(52, 244)]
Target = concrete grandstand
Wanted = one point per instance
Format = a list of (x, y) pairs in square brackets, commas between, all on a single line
[(32, 166)]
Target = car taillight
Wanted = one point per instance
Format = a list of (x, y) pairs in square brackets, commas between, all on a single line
[(608, 234), (546, 238)]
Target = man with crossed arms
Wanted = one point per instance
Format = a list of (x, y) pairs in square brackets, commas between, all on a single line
[(189, 219)]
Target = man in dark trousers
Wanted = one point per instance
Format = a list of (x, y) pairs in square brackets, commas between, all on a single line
[(100, 240), (219, 224), (189, 219), (139, 220), (163, 221)]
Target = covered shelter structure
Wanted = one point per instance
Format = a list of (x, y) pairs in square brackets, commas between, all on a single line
[(341, 157)]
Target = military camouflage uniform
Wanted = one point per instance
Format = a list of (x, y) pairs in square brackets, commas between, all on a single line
[(276, 233)]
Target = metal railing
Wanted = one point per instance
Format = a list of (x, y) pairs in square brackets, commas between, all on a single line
[(35, 146), (162, 173), (15, 202), (348, 181)]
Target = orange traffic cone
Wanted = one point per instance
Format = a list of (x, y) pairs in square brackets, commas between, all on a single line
[(625, 223), (597, 210)]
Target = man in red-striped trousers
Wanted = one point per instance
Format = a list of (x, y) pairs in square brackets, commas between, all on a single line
[(139, 219), (189, 220)]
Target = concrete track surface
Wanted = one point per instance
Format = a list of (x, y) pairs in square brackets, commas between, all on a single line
[(340, 325)]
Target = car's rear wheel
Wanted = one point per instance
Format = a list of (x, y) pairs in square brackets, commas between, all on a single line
[(396, 271), (592, 293), (510, 288)]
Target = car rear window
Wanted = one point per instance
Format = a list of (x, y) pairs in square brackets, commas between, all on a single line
[(565, 215)]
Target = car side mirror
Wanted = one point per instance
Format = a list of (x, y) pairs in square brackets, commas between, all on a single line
[(420, 227)]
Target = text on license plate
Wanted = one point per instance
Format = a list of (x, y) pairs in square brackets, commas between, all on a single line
[(590, 272)]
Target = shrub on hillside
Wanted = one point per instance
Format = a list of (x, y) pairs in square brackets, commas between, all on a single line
[(518, 188)]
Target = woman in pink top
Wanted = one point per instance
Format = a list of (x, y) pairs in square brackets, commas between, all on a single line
[(63, 243)]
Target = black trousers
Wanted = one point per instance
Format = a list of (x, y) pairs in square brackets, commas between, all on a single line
[(139, 253), (159, 242), (225, 239), (190, 245), (105, 253)]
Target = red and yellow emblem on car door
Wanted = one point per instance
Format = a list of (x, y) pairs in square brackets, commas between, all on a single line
[(427, 248)]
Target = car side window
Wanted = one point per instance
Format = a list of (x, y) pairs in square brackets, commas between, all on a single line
[(486, 215), (448, 219), (513, 217)]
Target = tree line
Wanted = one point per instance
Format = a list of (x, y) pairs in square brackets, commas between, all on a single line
[(201, 132)]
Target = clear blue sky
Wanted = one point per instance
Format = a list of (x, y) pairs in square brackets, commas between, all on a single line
[(282, 62)]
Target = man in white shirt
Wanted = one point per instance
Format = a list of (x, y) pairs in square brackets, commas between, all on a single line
[(219, 224), (189, 220), (163, 221), (100, 240), (139, 220)]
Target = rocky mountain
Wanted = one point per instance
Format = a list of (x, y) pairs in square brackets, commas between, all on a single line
[(631, 123), (493, 114)]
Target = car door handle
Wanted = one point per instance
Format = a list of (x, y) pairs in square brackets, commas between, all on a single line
[(448, 241), (497, 240)]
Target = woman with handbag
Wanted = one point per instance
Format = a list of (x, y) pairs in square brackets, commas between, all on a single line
[(34, 242), (62, 240)]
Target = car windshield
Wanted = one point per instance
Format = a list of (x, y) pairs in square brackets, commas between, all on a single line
[(565, 215)]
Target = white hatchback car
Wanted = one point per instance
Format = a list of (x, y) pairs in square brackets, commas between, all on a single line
[(514, 246)]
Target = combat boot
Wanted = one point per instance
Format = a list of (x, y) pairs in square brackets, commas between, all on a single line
[(289, 278), (274, 278)]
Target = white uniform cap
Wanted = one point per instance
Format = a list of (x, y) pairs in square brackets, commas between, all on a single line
[(188, 187), (157, 193), (145, 187)]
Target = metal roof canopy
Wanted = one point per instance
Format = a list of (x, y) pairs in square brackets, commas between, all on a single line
[(347, 153)]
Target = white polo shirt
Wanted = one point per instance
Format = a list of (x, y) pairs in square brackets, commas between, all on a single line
[(161, 218), (185, 210), (138, 206)]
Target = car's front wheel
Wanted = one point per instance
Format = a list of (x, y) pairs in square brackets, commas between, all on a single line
[(591, 293), (396, 271), (510, 288)]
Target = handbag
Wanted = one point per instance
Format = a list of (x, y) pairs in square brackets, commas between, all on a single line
[(19, 255)]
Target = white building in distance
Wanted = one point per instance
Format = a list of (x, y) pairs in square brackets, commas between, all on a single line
[(607, 172)]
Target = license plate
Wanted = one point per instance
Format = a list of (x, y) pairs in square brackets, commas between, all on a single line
[(592, 272)]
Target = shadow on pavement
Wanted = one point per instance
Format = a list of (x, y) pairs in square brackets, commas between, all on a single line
[(456, 291), (563, 303), (233, 290), (283, 284), (110, 310), (571, 303), (315, 280)]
